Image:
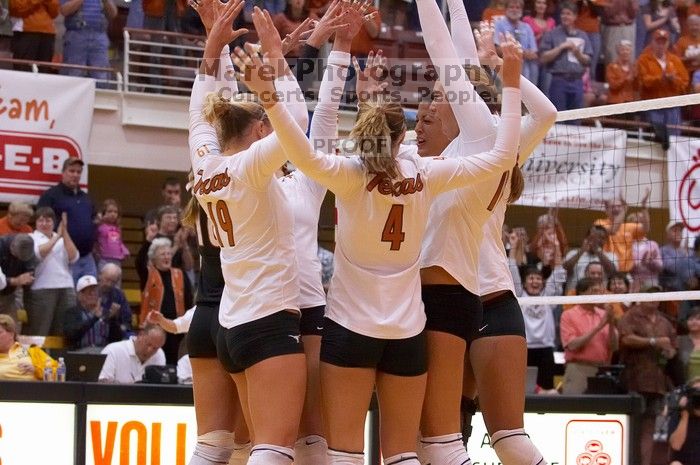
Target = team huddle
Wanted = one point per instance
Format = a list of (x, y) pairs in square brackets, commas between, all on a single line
[(421, 306)]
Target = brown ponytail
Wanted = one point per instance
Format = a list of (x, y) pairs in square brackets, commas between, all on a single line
[(379, 127), (517, 184), (231, 117)]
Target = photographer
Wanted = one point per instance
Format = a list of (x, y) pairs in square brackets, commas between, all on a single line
[(685, 427)]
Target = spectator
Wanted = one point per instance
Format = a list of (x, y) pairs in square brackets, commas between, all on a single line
[(34, 32), (85, 41), (168, 223), (171, 193), (647, 342), (588, 21), (87, 325), (591, 251), (660, 15), (540, 328), (16, 362), (167, 291), (127, 360), (550, 232), (689, 345), (618, 18), (594, 93), (619, 284), (135, 17), (109, 246), (113, 300), (657, 81), (540, 21), (566, 52), (678, 261), (511, 23), (620, 74), (67, 197), (495, 11), (17, 219), (326, 257), (684, 427), (291, 17), (52, 292), (589, 338), (17, 262), (647, 264), (621, 235), (688, 46)]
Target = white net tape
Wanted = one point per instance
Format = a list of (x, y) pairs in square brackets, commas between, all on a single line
[(611, 298)]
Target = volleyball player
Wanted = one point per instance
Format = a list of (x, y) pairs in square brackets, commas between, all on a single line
[(305, 197), (234, 155), (373, 332), (498, 335)]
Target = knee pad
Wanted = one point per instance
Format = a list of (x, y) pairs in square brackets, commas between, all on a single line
[(269, 454), (514, 447), (444, 450), (336, 457), (240, 454), (213, 447), (311, 450), (407, 458)]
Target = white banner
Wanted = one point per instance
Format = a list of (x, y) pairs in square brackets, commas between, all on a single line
[(575, 167), (564, 439), (44, 119), (33, 433), (683, 176)]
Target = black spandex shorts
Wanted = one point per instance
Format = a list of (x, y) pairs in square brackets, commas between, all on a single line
[(452, 309), (399, 357), (244, 345), (502, 317), (311, 323), (203, 332)]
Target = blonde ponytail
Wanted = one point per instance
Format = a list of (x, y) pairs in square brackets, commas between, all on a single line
[(189, 214), (379, 127), (231, 117)]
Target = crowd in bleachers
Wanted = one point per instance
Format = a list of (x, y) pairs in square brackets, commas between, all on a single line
[(581, 53)]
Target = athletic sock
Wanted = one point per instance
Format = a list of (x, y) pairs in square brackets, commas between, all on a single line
[(311, 450), (336, 457), (240, 454), (269, 454), (213, 448), (407, 458), (514, 447), (444, 450)]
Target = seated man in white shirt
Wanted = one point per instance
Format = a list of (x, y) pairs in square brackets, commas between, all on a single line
[(127, 360)]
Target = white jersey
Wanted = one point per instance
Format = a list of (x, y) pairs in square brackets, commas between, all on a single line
[(493, 270), (375, 289), (251, 218), (305, 195)]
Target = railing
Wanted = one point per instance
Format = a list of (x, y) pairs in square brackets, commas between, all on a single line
[(160, 62), (114, 82)]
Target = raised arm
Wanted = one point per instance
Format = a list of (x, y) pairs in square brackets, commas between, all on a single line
[(472, 115), (462, 36), (542, 114), (324, 123), (446, 174)]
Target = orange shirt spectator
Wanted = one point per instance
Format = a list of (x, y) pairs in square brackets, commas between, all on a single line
[(620, 75), (587, 19), (659, 73), (364, 40), (495, 10), (17, 219), (688, 46), (37, 16), (620, 242)]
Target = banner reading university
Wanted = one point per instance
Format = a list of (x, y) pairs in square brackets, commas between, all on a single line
[(575, 167), (44, 119), (683, 176)]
